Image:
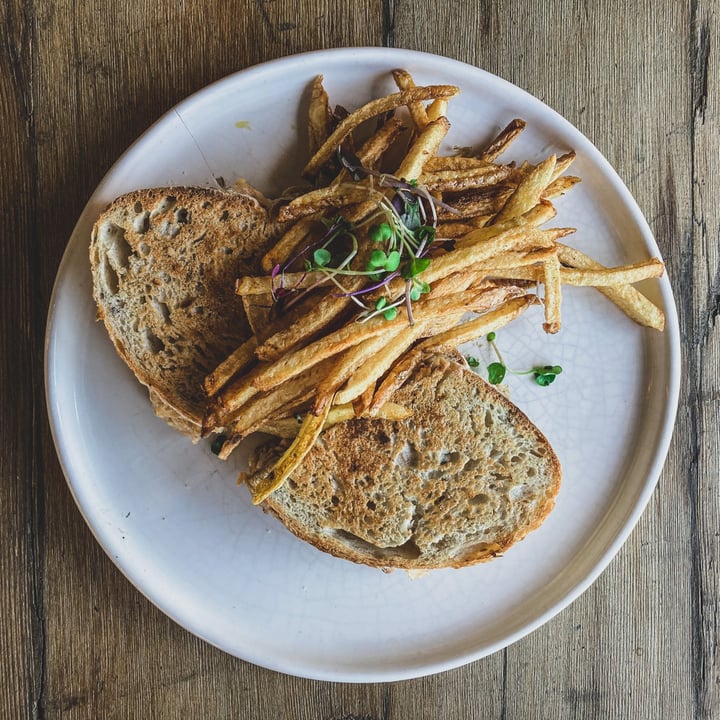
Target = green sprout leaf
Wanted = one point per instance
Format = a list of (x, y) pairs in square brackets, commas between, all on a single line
[(473, 362), (491, 336), (393, 261), (415, 293), (390, 313), (377, 259), (381, 303), (546, 375), (496, 373), (321, 257), (415, 267), (380, 233), (217, 444)]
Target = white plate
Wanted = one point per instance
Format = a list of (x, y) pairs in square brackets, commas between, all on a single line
[(170, 514)]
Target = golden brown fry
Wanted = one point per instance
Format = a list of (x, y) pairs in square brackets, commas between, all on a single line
[(291, 239), (457, 230), (285, 399), (229, 400), (369, 110), (473, 203), (375, 147), (503, 141), (288, 427), (482, 325), (319, 115), (404, 81), (630, 300), (623, 275), (335, 342), (437, 109), (516, 238), (309, 430), (528, 192), (259, 285), (541, 213), (560, 186), (234, 363), (334, 196), (441, 163), (562, 163), (365, 378), (461, 180), (553, 293), (599, 277), (325, 312), (348, 363), (424, 147)]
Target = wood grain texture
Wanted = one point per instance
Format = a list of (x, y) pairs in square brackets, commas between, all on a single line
[(80, 80)]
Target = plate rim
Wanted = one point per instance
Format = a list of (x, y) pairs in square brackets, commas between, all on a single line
[(659, 454)]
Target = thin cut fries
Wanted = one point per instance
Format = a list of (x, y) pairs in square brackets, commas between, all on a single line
[(446, 249), (404, 81), (553, 292), (289, 427), (503, 141), (292, 457), (373, 109), (229, 367)]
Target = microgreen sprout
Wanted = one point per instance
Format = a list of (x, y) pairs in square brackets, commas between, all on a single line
[(217, 443), (401, 231), (543, 375)]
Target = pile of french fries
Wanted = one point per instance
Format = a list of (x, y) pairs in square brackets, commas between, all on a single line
[(321, 361)]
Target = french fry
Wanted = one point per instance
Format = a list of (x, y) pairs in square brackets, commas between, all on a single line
[(529, 191), (262, 284), (517, 238), (282, 400), (424, 147), (369, 110), (628, 299), (377, 145), (309, 430), (234, 363), (335, 196), (348, 363), (441, 163), (600, 278), (503, 141), (369, 373), (461, 180), (288, 427), (325, 312), (559, 186), (562, 163), (291, 238), (536, 216), (553, 293), (229, 400), (404, 81), (437, 108), (319, 115), (481, 325), (455, 336), (474, 203)]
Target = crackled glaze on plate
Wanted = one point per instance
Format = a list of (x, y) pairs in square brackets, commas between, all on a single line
[(170, 514)]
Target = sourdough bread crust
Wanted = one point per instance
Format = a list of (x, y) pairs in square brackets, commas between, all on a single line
[(164, 263), (468, 476)]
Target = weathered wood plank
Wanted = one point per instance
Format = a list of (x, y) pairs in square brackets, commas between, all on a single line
[(79, 83), (21, 524)]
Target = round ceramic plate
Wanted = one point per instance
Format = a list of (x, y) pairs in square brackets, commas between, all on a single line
[(170, 514)]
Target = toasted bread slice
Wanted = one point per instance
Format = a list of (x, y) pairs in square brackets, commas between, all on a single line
[(460, 482), (164, 264)]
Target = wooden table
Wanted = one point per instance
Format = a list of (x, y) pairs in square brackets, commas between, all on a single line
[(80, 80)]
